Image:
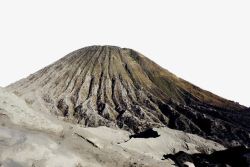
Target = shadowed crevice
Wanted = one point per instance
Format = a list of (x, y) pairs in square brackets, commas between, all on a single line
[(149, 133)]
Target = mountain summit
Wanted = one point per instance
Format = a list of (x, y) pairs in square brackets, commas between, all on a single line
[(119, 87)]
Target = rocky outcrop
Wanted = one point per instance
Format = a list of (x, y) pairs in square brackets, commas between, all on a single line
[(119, 87), (233, 157), (149, 133)]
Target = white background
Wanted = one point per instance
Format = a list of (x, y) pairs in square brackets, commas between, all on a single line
[(204, 42)]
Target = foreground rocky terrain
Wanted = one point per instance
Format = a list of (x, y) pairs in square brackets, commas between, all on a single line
[(32, 138), (111, 106)]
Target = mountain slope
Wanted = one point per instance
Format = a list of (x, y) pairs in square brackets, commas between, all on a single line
[(32, 138), (112, 86)]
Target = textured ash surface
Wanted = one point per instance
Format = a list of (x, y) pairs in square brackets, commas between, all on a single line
[(32, 138), (118, 87)]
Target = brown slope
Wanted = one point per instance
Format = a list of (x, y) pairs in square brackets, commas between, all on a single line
[(112, 86)]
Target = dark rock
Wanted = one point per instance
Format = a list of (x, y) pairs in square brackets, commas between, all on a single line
[(149, 133), (233, 157), (63, 107)]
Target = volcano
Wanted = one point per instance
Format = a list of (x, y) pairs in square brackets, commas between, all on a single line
[(119, 87)]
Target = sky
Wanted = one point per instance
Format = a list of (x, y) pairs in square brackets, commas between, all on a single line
[(204, 42)]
